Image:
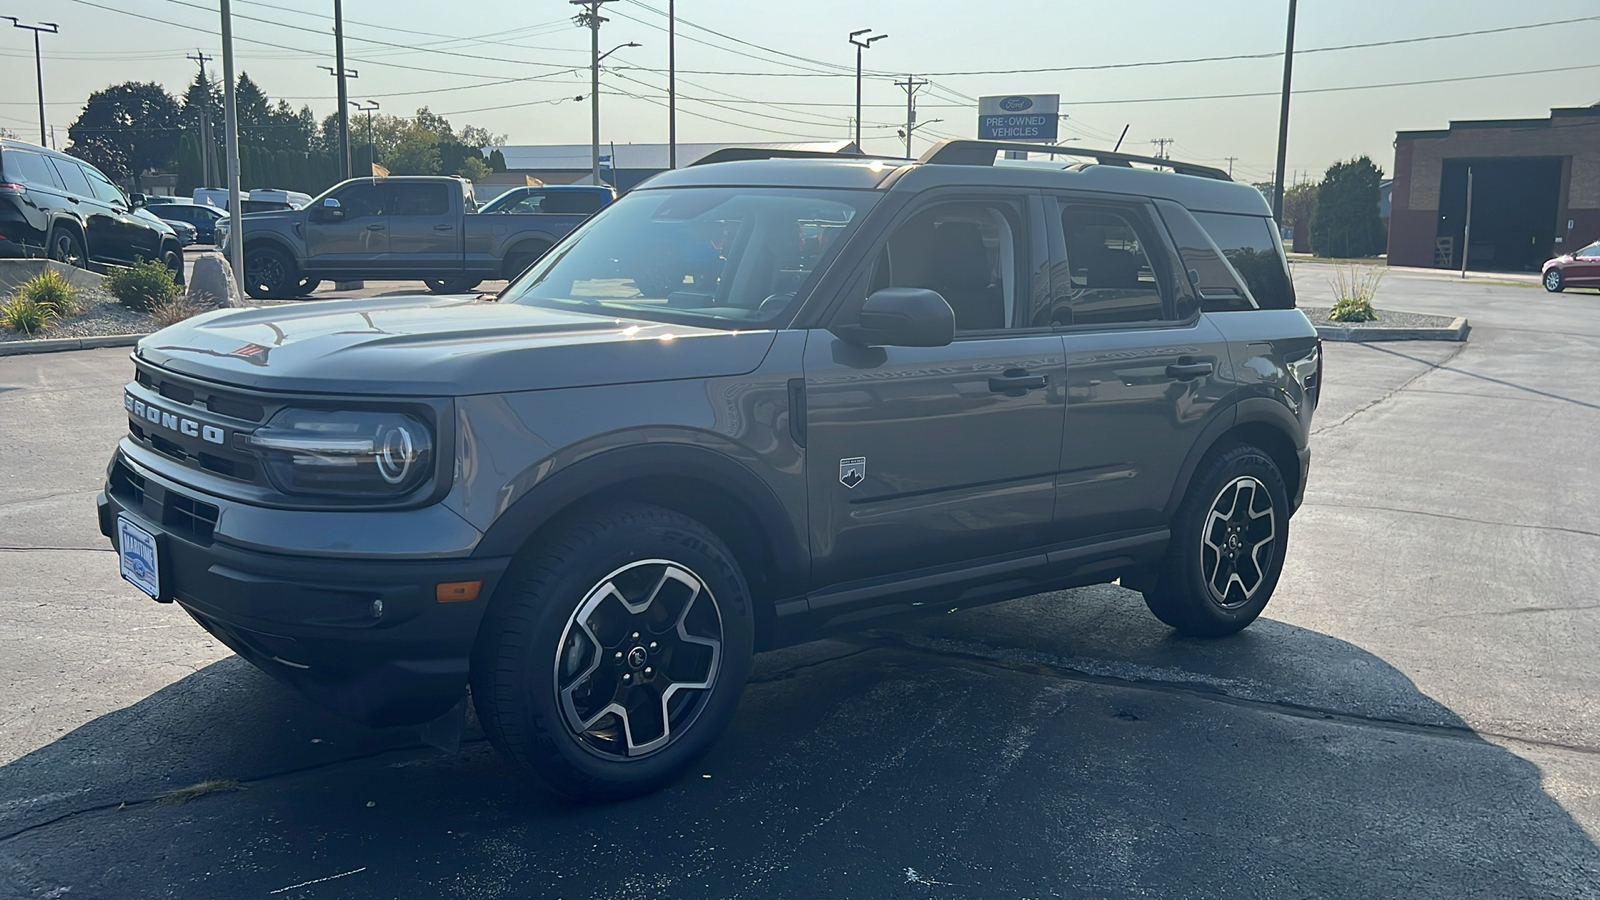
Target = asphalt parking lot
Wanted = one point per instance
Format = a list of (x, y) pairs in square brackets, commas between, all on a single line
[(1414, 715)]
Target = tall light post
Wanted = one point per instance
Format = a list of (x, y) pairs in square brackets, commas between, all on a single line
[(1283, 121), (672, 86), (38, 65), (372, 105), (230, 117), (344, 95), (861, 44), (591, 19)]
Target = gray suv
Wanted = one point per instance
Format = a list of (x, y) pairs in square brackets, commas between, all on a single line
[(874, 385)]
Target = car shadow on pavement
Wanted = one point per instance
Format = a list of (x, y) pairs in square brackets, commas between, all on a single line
[(1060, 745)]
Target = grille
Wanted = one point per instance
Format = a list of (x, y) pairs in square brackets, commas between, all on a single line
[(178, 513)]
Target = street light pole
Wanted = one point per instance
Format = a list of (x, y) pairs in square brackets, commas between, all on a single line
[(591, 19), (344, 96), (230, 116), (1283, 121), (672, 87), (38, 65), (860, 46), (371, 158)]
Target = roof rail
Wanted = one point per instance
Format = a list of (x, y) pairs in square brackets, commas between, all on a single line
[(734, 154), (963, 152)]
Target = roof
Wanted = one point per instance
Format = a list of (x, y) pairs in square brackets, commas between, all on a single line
[(1471, 124), (576, 157)]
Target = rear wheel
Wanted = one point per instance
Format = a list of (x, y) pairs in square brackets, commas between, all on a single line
[(1552, 280), (1227, 548), (269, 273), (451, 285), (65, 247), (614, 652)]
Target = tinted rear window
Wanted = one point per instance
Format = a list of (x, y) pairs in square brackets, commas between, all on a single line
[(72, 177), (1251, 244), (28, 168)]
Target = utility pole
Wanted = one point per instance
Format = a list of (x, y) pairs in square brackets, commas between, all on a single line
[(371, 157), (206, 155), (1466, 234), (38, 63), (672, 86), (1231, 160), (344, 95), (1161, 145), (1283, 119), (591, 19), (911, 85), (860, 45), (230, 116)]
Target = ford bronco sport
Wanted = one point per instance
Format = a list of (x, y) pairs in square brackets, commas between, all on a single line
[(903, 383)]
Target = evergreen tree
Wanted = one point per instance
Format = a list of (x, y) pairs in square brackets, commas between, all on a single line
[(1346, 222), (126, 130)]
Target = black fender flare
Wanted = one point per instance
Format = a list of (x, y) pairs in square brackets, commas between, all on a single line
[(593, 475), (278, 242), (1241, 412)]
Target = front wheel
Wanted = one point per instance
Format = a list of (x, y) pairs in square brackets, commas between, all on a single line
[(269, 274), (451, 285), (614, 652), (1227, 548), (306, 286), (66, 248), (173, 260), (1552, 280)]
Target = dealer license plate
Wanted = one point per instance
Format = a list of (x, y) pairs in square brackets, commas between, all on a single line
[(140, 565)]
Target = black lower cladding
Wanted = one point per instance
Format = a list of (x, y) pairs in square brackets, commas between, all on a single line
[(365, 638)]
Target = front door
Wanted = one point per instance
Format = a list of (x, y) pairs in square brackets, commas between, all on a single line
[(923, 456), (105, 240), (359, 240), (424, 228), (1584, 268)]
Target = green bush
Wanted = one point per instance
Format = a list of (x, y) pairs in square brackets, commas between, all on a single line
[(142, 285), (52, 290), (1353, 290), (25, 315), (1346, 223)]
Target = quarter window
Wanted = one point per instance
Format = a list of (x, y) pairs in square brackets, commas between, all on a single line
[(1251, 244), (28, 168), (1110, 275)]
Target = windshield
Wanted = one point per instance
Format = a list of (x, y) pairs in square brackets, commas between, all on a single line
[(718, 257)]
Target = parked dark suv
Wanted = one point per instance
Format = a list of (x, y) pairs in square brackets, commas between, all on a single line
[(53, 205), (904, 385)]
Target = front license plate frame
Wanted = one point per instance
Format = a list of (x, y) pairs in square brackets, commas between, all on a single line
[(139, 556)]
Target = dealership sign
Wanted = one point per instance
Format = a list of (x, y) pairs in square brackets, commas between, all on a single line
[(1019, 117)]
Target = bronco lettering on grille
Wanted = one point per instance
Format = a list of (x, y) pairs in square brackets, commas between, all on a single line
[(188, 427)]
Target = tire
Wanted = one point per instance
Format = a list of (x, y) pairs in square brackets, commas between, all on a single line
[(269, 274), (521, 262), (1553, 281), (452, 285), (66, 247), (306, 286), (557, 651), (1232, 527), (173, 260)]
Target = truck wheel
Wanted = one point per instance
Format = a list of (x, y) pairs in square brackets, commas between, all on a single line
[(306, 286), (1227, 549), (269, 274), (1552, 281), (614, 652), (66, 248), (451, 285)]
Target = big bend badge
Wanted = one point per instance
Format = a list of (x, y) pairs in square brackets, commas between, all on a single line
[(852, 471)]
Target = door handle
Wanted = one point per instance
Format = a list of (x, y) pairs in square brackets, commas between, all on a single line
[(1017, 381), (72, 199), (1190, 371), (442, 227), (374, 227)]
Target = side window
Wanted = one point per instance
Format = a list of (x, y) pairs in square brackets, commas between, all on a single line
[(531, 203), (1590, 252), (970, 252), (71, 177), (361, 200), (104, 190), (411, 198), (573, 202), (1110, 272), (1219, 286), (1251, 244), (28, 168)]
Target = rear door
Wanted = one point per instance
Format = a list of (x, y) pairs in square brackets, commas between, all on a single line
[(103, 239), (924, 456), (424, 226), (1142, 364), (358, 241)]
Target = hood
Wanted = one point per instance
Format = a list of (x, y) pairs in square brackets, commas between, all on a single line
[(442, 347)]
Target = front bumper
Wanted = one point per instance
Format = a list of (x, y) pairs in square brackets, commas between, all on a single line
[(364, 637)]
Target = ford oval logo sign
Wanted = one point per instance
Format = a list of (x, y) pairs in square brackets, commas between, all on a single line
[(1016, 104)]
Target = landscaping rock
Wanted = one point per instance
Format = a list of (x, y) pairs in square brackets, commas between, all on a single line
[(212, 284)]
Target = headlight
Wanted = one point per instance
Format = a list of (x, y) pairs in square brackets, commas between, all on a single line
[(344, 452)]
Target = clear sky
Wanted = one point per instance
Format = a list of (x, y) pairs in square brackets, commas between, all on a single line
[(514, 66)]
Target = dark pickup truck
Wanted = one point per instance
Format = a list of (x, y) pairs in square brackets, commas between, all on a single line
[(423, 228)]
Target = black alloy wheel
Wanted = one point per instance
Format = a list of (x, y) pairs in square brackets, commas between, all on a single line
[(66, 248), (269, 274), (1552, 280), (306, 286), (173, 260), (1227, 548), (614, 652)]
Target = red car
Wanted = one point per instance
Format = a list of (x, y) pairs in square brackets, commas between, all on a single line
[(1580, 268)]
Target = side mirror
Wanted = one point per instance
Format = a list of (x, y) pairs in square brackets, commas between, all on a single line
[(902, 317), (329, 211)]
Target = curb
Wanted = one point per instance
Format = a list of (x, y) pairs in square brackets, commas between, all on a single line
[(1457, 331), (55, 345)]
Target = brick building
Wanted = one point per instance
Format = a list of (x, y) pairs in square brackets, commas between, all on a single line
[(1535, 191)]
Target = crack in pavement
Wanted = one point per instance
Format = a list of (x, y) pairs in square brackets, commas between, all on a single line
[(1521, 610), (58, 549), (5, 503), (1429, 367), (1453, 518)]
